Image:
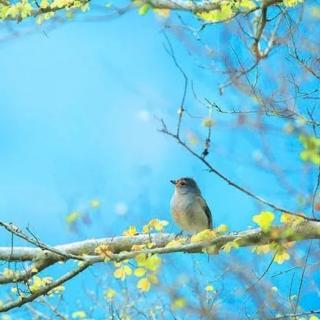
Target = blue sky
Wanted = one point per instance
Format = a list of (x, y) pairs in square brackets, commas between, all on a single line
[(79, 120)]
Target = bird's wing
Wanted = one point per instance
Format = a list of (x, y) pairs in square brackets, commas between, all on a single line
[(207, 211)]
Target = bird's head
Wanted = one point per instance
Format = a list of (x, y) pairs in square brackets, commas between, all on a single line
[(185, 185)]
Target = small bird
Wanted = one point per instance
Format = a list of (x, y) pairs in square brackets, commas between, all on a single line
[(189, 210)]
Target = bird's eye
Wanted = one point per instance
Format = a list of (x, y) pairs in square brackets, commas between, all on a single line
[(182, 183)]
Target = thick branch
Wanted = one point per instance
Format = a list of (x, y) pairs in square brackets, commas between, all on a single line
[(179, 5), (116, 245), (121, 248), (279, 234), (195, 6)]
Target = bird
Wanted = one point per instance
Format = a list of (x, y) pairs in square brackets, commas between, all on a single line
[(189, 209)]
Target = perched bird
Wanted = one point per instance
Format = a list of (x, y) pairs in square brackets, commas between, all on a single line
[(189, 210)]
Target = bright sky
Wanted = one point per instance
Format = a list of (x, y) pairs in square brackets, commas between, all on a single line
[(79, 117)]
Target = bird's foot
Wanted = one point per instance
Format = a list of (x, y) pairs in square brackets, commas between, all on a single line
[(178, 235)]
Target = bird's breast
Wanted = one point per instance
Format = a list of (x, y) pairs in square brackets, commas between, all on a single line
[(188, 213), (181, 203)]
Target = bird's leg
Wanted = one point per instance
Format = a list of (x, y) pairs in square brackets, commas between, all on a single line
[(179, 234)]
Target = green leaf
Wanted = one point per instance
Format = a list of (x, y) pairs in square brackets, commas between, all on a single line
[(247, 4), (144, 9), (225, 13), (292, 3)]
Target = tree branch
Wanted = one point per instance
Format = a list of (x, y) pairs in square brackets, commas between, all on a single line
[(121, 249), (23, 300), (195, 6), (121, 246)]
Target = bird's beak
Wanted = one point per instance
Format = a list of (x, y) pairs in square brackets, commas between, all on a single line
[(173, 182)]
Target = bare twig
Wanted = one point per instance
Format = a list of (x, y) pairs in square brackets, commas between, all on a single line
[(302, 277), (181, 110), (295, 315), (229, 181)]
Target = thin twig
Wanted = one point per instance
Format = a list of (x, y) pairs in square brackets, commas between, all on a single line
[(43, 291), (294, 315), (264, 273), (181, 110), (229, 181), (302, 277)]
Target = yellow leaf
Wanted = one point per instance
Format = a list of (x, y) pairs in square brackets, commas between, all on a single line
[(109, 294), (230, 245), (146, 229), (138, 247), (261, 249), (79, 314), (223, 14), (45, 16), (222, 228), (153, 278), (205, 235), (84, 8), (72, 217), (313, 318), (144, 9), (207, 122), (175, 243), (131, 231), (281, 256), (247, 4), (311, 152), (157, 224), (153, 262), (144, 285), (211, 250), (104, 251), (290, 219), (139, 272), (95, 203), (122, 272), (291, 3), (209, 288), (264, 220), (12, 12), (141, 259), (178, 303), (44, 4), (36, 283), (151, 245), (25, 9), (162, 12), (9, 273)]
